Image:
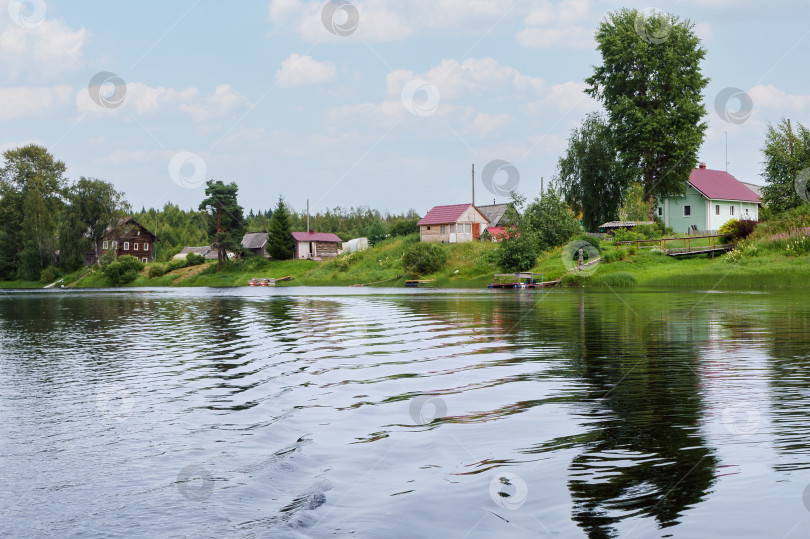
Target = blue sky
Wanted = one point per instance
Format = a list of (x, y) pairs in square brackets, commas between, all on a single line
[(390, 115)]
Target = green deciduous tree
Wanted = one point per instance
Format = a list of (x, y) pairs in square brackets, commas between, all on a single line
[(93, 206), (31, 187), (652, 91), (590, 174), (376, 231), (225, 218), (787, 154), (635, 206), (549, 220), (280, 244)]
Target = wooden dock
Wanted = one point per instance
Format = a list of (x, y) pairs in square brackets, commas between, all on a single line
[(417, 283), (687, 250), (520, 280)]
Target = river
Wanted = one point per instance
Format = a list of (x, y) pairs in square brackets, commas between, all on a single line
[(334, 412)]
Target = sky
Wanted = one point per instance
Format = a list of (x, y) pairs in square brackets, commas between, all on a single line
[(376, 103)]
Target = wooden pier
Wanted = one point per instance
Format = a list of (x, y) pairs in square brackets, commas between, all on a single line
[(687, 249), (521, 280)]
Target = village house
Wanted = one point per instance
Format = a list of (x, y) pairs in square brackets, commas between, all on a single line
[(255, 242), (127, 237), (316, 245), (457, 223), (712, 198), (206, 251)]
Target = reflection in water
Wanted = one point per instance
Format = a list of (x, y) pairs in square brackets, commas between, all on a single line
[(487, 414)]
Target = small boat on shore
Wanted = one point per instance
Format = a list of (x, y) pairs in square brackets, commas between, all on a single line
[(521, 280)]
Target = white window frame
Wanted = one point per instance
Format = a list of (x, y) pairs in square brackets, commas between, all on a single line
[(717, 209), (126, 246), (145, 260), (690, 210), (731, 210), (135, 246), (660, 211), (105, 245), (146, 246)]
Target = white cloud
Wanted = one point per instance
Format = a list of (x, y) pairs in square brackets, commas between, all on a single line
[(771, 97), (26, 101), (140, 97), (383, 20), (569, 24), (300, 70), (42, 52), (222, 102), (486, 125), (470, 78)]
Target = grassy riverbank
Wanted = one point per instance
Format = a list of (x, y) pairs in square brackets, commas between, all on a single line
[(766, 260)]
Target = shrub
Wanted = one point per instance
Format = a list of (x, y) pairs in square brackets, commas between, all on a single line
[(49, 274), (404, 227), (516, 254), (157, 270), (614, 256), (627, 235), (177, 264), (123, 270), (193, 259), (648, 232), (424, 258), (574, 279), (735, 230), (593, 240)]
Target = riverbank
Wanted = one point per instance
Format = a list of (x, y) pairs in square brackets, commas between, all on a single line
[(756, 264)]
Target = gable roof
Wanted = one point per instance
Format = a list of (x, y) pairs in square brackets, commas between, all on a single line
[(720, 185), (442, 215), (128, 221), (493, 212), (254, 240), (315, 236)]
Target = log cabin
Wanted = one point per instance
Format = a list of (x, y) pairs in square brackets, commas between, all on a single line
[(316, 245), (127, 237)]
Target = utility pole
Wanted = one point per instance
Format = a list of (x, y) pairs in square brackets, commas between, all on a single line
[(307, 215), (790, 139), (473, 184)]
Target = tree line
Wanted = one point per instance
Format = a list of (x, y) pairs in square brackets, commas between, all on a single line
[(48, 221)]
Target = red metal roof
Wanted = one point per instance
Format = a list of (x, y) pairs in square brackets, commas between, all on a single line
[(720, 185), (315, 236), (442, 215)]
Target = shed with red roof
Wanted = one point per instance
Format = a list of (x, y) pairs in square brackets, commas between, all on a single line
[(712, 198), (316, 245), (457, 223)]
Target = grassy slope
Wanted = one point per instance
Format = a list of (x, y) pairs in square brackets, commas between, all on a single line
[(471, 265)]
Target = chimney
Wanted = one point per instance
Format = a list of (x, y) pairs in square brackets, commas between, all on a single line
[(311, 231), (702, 166)]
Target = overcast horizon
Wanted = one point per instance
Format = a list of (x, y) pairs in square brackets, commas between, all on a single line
[(361, 103)]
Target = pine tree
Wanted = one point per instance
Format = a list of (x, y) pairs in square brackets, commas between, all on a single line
[(225, 218), (280, 243)]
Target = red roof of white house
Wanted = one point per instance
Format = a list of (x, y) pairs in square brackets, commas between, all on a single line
[(443, 215), (720, 185), (315, 236)]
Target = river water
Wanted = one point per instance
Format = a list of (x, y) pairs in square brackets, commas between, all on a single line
[(390, 413)]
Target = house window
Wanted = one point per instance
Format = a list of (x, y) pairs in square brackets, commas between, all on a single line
[(145, 261), (126, 246), (717, 209), (135, 246), (660, 211), (145, 246), (105, 245), (731, 210), (746, 213), (687, 211), (468, 228), (444, 229), (115, 245), (428, 228)]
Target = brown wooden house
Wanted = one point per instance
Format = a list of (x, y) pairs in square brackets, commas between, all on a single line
[(128, 237), (316, 245)]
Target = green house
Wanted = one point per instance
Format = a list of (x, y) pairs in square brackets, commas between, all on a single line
[(712, 198)]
